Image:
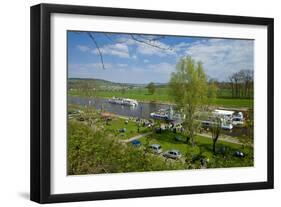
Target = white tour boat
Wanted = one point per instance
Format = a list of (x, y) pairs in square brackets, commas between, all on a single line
[(123, 101)]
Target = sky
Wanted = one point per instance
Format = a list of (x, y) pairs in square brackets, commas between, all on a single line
[(139, 58)]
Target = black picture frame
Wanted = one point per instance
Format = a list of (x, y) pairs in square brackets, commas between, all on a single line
[(41, 97)]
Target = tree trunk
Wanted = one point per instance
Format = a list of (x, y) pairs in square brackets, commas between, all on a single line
[(214, 146), (232, 90), (192, 141), (236, 89)]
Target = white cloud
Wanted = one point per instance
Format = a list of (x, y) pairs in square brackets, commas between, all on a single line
[(181, 46), (121, 65), (222, 57), (158, 48), (146, 61), (83, 48), (123, 73), (162, 68), (88, 67), (118, 49), (149, 46)]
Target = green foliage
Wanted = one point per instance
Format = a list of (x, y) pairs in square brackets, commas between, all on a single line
[(131, 128), (91, 152), (234, 102), (207, 155), (94, 147), (212, 92), (203, 149), (123, 91), (189, 88), (194, 152), (247, 138), (242, 83), (151, 88)]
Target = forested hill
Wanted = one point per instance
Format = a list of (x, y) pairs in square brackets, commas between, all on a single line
[(84, 83)]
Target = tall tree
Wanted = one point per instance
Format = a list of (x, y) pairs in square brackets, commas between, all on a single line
[(242, 83), (151, 88), (232, 86), (236, 78), (189, 88), (248, 77), (123, 90)]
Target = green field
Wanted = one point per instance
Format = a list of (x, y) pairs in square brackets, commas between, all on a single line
[(234, 102), (226, 93), (161, 95)]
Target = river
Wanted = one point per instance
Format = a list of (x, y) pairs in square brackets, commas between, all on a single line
[(143, 110)]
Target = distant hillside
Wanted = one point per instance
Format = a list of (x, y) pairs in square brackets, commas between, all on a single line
[(91, 81), (96, 84)]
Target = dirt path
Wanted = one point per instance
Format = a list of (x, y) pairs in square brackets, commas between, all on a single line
[(223, 138), (136, 137)]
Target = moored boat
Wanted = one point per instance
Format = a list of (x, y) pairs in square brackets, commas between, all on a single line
[(123, 101)]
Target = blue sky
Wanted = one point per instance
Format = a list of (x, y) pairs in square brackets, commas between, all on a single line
[(127, 59)]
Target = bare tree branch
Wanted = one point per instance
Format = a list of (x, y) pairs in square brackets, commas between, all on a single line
[(141, 39), (112, 40), (148, 43), (152, 39), (98, 48)]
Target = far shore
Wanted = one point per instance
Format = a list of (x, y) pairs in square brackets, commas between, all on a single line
[(166, 103)]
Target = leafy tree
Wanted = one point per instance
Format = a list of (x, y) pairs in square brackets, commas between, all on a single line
[(151, 88), (123, 90), (189, 88), (247, 138), (212, 91)]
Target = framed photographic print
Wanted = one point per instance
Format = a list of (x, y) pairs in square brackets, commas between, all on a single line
[(133, 103)]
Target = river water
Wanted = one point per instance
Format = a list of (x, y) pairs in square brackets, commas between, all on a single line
[(143, 110)]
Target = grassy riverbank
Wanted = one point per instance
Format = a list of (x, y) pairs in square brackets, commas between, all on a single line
[(161, 95)]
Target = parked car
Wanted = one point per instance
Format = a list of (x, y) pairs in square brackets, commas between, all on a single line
[(178, 138), (156, 148), (122, 130), (174, 154), (239, 154), (136, 143), (237, 121), (158, 130)]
